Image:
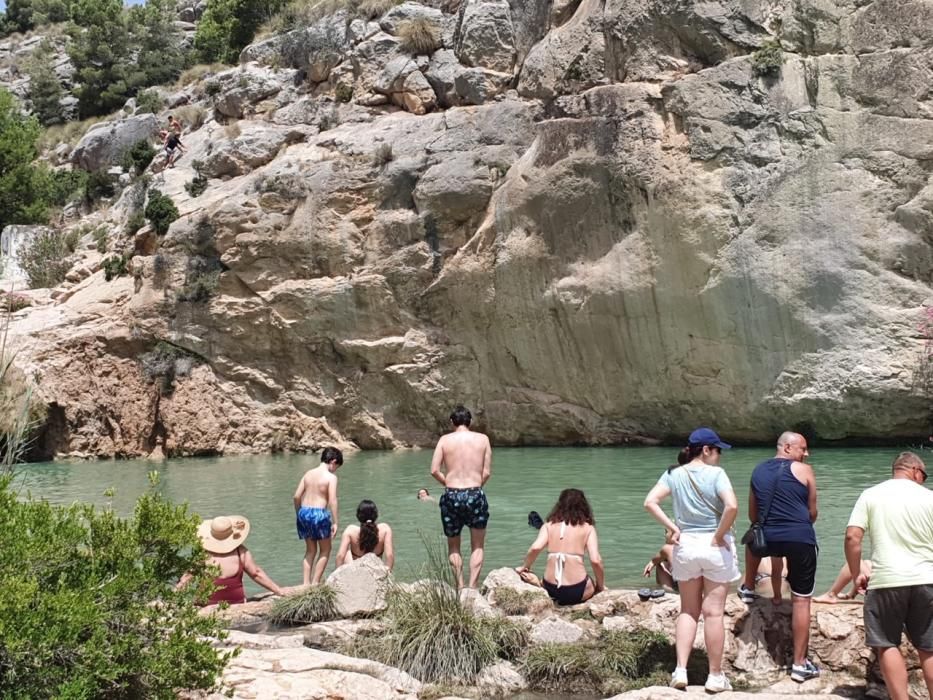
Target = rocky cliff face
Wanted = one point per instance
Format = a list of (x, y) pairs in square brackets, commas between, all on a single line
[(590, 221)]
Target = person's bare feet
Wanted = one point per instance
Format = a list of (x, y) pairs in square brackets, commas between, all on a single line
[(777, 600), (829, 598)]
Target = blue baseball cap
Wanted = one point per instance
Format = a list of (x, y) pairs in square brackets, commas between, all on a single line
[(707, 436)]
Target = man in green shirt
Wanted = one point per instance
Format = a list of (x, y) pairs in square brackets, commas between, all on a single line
[(897, 514)]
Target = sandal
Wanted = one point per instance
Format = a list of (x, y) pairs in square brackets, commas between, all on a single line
[(657, 593), (644, 594)]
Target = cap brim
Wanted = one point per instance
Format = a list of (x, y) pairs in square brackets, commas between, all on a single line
[(723, 445)]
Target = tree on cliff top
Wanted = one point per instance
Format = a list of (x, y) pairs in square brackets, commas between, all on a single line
[(228, 26)]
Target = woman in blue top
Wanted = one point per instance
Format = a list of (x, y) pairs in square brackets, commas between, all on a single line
[(704, 560)]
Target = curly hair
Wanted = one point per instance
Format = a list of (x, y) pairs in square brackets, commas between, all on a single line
[(571, 508)]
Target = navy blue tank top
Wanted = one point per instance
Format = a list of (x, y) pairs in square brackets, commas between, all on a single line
[(789, 517)]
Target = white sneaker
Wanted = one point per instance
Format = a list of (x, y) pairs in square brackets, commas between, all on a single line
[(679, 678), (717, 684)]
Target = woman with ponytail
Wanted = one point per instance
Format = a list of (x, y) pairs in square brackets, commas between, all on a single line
[(704, 561), (368, 536)]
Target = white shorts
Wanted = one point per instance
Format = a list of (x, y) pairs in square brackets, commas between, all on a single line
[(696, 556)]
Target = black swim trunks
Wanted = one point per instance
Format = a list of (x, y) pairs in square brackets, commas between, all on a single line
[(463, 507)]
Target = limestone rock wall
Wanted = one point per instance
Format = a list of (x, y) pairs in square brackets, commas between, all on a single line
[(591, 222)]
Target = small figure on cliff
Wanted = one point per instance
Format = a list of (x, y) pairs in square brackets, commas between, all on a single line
[(316, 513), (897, 514), (172, 140), (368, 536), (835, 593), (703, 561), (569, 529), (223, 539), (784, 487), (466, 459)]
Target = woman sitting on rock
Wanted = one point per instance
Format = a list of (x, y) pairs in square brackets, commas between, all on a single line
[(568, 531), (366, 537), (223, 538), (704, 561)]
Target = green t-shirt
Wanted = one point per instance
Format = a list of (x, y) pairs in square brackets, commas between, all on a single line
[(898, 516)]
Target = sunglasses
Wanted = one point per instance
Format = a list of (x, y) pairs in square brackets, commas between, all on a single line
[(918, 469)]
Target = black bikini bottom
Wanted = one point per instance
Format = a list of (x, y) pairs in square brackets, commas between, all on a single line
[(566, 595)]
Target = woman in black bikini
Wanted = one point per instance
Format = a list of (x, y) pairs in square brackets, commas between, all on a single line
[(569, 531), (368, 536)]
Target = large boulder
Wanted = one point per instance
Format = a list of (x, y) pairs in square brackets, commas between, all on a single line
[(105, 143), (486, 38), (361, 586), (556, 630)]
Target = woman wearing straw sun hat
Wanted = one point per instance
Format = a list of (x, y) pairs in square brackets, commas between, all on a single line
[(223, 538)]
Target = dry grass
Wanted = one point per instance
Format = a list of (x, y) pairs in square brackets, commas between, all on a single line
[(192, 117), (419, 36), (316, 604), (69, 132), (301, 13), (371, 9), (232, 130), (197, 73)]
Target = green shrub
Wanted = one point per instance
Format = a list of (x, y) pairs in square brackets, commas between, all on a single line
[(196, 186), (199, 287), (20, 413), (343, 93), (138, 157), (228, 26), (165, 363), (45, 257), (767, 60), (115, 266), (135, 222), (212, 87), (99, 185), (434, 637), (419, 36), (316, 604), (149, 101), (100, 238), (77, 587), (45, 89), (161, 212)]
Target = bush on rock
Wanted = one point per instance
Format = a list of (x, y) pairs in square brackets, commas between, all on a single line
[(161, 212), (87, 602)]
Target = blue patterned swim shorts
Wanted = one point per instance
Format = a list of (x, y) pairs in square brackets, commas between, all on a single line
[(313, 523), (463, 507)]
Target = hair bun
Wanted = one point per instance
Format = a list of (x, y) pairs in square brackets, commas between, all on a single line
[(369, 521)]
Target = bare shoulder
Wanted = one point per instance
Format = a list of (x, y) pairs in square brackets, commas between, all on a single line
[(384, 528)]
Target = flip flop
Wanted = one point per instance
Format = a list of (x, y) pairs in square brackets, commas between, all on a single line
[(535, 520), (644, 593), (657, 593)]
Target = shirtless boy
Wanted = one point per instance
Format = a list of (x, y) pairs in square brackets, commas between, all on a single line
[(316, 513), (466, 458)]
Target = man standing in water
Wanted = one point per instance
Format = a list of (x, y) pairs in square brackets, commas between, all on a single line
[(466, 458), (897, 514)]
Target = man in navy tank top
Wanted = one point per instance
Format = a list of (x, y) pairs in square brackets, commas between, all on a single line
[(784, 489)]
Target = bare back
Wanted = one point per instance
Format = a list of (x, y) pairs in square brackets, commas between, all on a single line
[(354, 532), (466, 456), (574, 542), (317, 482)]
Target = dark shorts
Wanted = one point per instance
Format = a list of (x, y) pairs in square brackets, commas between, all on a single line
[(313, 523), (463, 508), (566, 595), (889, 611), (801, 565)]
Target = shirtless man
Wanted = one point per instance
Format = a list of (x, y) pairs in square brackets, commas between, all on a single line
[(316, 513), (467, 459)]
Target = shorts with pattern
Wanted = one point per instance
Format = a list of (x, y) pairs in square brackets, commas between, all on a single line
[(890, 611), (314, 523), (463, 507)]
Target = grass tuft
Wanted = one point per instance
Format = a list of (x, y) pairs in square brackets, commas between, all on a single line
[(767, 60), (316, 604), (616, 662), (419, 36), (514, 602)]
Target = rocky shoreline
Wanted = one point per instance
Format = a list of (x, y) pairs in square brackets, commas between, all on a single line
[(306, 661)]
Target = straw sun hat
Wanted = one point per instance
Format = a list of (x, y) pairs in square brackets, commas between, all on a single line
[(224, 533)]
